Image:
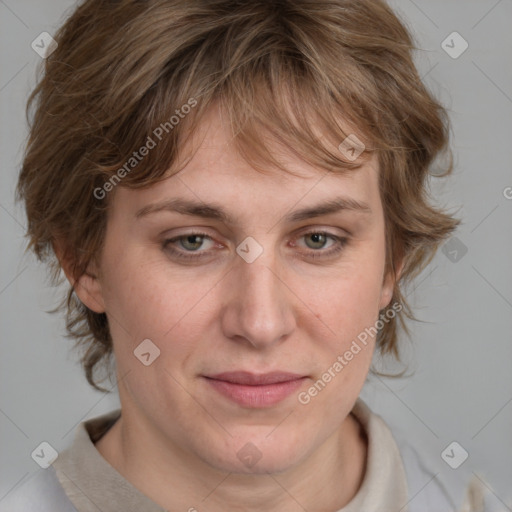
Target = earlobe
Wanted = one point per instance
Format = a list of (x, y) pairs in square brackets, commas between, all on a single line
[(87, 286), (388, 285), (386, 292)]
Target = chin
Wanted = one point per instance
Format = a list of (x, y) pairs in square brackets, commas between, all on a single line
[(274, 465), (255, 457)]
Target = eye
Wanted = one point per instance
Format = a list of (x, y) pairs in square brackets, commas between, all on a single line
[(317, 240), (190, 242)]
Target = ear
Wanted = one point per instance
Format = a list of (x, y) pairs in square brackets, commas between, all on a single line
[(87, 286), (388, 284)]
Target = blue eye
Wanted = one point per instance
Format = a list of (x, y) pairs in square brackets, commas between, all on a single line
[(187, 246)]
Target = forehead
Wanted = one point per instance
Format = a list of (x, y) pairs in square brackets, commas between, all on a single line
[(215, 172)]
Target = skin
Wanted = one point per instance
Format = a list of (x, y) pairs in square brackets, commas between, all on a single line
[(178, 438)]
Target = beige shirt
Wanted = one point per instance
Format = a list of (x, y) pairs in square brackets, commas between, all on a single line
[(92, 484)]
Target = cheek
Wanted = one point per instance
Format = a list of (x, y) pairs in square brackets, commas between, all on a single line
[(147, 301), (348, 302), (347, 307), (348, 310)]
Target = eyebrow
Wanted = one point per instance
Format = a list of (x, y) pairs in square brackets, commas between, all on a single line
[(217, 212)]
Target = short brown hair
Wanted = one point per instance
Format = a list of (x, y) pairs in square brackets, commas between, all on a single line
[(123, 68)]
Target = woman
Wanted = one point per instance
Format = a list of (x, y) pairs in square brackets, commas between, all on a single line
[(236, 194)]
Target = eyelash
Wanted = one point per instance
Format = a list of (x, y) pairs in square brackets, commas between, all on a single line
[(314, 254)]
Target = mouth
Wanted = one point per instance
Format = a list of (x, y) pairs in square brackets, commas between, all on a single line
[(253, 390)]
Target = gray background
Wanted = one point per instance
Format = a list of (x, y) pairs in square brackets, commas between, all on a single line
[(461, 353)]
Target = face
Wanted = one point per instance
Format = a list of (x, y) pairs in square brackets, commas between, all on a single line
[(251, 316)]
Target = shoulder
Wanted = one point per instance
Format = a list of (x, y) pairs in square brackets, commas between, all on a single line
[(425, 490), (41, 492)]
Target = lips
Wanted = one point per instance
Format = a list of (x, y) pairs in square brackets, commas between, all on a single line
[(255, 391), (251, 379)]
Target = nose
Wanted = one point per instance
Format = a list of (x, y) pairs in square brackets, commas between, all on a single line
[(259, 309)]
